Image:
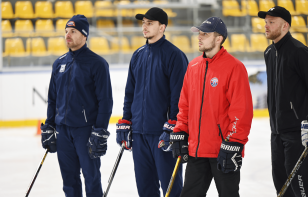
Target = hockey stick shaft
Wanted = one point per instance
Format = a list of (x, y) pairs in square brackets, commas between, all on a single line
[(294, 171), (175, 171), (37, 171), (115, 167)]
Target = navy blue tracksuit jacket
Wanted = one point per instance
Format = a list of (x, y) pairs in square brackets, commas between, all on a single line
[(80, 90), (153, 87)]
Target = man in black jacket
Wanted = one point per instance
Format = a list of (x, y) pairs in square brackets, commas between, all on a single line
[(287, 77)]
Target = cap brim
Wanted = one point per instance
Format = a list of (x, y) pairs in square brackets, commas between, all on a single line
[(141, 16), (263, 14), (194, 29)]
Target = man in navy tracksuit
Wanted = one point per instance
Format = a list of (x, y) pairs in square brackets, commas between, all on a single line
[(79, 108), (154, 82)]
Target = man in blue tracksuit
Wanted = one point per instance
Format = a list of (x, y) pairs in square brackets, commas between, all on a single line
[(79, 108), (154, 82)]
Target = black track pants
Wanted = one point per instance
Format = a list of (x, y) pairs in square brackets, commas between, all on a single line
[(286, 150), (199, 174)]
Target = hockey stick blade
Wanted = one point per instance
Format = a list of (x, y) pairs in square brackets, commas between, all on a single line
[(115, 167), (175, 171), (294, 171), (36, 173)]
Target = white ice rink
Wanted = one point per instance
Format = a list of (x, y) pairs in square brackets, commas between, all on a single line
[(21, 153)]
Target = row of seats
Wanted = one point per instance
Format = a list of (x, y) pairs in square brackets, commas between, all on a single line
[(100, 45), (250, 7), (64, 9), (298, 24), (45, 27)]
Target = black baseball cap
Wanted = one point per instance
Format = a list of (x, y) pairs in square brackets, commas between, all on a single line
[(212, 24), (277, 11), (155, 14)]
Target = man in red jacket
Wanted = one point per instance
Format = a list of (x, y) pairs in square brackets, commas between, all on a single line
[(215, 115)]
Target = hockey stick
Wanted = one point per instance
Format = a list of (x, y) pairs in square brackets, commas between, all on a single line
[(294, 171), (175, 171), (115, 167), (37, 171)]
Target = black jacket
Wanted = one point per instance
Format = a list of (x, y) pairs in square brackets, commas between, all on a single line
[(287, 82)]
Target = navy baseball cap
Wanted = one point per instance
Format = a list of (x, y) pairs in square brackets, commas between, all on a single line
[(212, 24), (155, 14), (277, 11), (80, 23)]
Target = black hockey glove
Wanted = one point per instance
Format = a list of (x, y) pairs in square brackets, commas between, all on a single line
[(97, 144), (49, 137), (179, 143), (164, 138), (230, 157)]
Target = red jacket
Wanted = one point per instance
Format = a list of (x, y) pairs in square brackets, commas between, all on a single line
[(215, 92)]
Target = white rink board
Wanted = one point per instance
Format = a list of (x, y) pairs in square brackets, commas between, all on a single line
[(19, 101)]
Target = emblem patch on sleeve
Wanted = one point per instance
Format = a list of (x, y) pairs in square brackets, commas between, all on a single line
[(62, 69)]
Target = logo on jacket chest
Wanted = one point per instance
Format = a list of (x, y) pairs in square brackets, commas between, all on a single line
[(62, 69), (214, 82)]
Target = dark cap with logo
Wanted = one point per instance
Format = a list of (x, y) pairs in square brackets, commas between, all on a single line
[(277, 11), (80, 23), (212, 24), (155, 14)]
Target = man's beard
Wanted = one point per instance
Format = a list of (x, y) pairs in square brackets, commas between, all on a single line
[(148, 37), (210, 48), (273, 35)]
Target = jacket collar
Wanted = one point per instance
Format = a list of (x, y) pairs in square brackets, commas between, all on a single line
[(216, 56), (279, 44), (77, 52), (157, 43)]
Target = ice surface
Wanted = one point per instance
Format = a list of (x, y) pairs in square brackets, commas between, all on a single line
[(21, 153)]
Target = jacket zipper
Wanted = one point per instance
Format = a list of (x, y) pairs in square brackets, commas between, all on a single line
[(84, 113), (201, 108), (292, 107), (69, 79), (220, 133), (57, 111), (276, 73)]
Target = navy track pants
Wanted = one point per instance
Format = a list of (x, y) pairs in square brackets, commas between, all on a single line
[(72, 156), (153, 165)]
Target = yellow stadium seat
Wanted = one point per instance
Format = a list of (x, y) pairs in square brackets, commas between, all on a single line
[(64, 9), (38, 47), (169, 11), (258, 42), (103, 8), (239, 42), (7, 10), (123, 44), (195, 43), (127, 23), (250, 6), (57, 46), (43, 9), (101, 23), (300, 37), (124, 12), (84, 8), (302, 6), (6, 28), (60, 26), (24, 9), (14, 47), (44, 27), (258, 24), (100, 45), (182, 42), (231, 8), (227, 45), (141, 10), (137, 42), (288, 4), (298, 24), (24, 28), (265, 5)]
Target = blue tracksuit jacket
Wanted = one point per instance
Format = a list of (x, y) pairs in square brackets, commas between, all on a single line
[(153, 87), (80, 90)]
